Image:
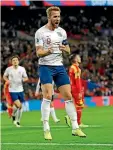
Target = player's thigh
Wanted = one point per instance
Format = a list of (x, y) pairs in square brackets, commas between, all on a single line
[(17, 103), (21, 97), (61, 78), (45, 74), (15, 99), (62, 82), (47, 90)]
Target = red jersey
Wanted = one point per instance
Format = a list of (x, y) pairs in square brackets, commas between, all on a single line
[(75, 78)]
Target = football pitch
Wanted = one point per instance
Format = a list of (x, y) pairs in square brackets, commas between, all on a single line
[(30, 135)]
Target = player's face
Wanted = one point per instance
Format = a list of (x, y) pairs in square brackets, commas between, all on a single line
[(55, 18), (15, 61), (78, 59)]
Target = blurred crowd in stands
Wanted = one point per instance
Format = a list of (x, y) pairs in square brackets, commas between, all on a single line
[(92, 38)]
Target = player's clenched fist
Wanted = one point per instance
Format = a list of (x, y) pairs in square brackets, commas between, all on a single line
[(50, 50), (62, 47)]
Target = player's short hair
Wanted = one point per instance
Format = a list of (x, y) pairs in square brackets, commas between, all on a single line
[(52, 8), (72, 57), (15, 56)]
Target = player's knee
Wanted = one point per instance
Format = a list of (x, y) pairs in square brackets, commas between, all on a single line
[(19, 105), (49, 96), (68, 96)]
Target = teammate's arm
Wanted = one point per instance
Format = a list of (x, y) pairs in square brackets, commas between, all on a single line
[(5, 76), (38, 87), (25, 77), (38, 92)]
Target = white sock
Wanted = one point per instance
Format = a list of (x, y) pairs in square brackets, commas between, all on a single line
[(14, 110), (53, 114), (45, 111), (19, 115), (70, 109)]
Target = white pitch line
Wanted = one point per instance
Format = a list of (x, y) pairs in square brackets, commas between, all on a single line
[(27, 131), (61, 126), (58, 126), (61, 144)]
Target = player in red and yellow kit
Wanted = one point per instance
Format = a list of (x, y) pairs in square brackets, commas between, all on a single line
[(77, 88), (8, 99)]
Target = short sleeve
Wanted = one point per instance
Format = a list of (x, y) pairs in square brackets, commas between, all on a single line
[(38, 39), (65, 41), (6, 73), (24, 73)]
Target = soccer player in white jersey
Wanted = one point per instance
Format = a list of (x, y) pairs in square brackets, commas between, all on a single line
[(50, 42), (15, 75), (38, 92)]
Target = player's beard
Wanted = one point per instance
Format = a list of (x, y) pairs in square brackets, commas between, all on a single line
[(54, 25)]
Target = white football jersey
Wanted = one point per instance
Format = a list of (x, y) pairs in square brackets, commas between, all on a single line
[(38, 87), (47, 38), (15, 77)]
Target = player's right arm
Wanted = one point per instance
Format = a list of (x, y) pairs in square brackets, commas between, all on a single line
[(38, 92), (6, 74), (39, 46)]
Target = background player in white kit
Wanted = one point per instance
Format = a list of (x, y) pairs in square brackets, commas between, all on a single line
[(39, 93), (15, 75), (50, 42)]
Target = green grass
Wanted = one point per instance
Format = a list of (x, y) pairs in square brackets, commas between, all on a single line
[(31, 132)]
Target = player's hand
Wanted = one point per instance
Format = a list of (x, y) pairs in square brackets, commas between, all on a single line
[(39, 95), (62, 47), (50, 50), (36, 94), (25, 79)]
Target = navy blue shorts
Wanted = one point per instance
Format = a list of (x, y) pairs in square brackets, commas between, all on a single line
[(17, 96), (57, 74)]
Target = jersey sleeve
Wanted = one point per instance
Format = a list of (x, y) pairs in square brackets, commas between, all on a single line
[(6, 73), (24, 75), (38, 39), (65, 41)]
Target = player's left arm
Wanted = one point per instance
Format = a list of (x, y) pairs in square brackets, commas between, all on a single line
[(65, 48), (24, 75), (65, 45)]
